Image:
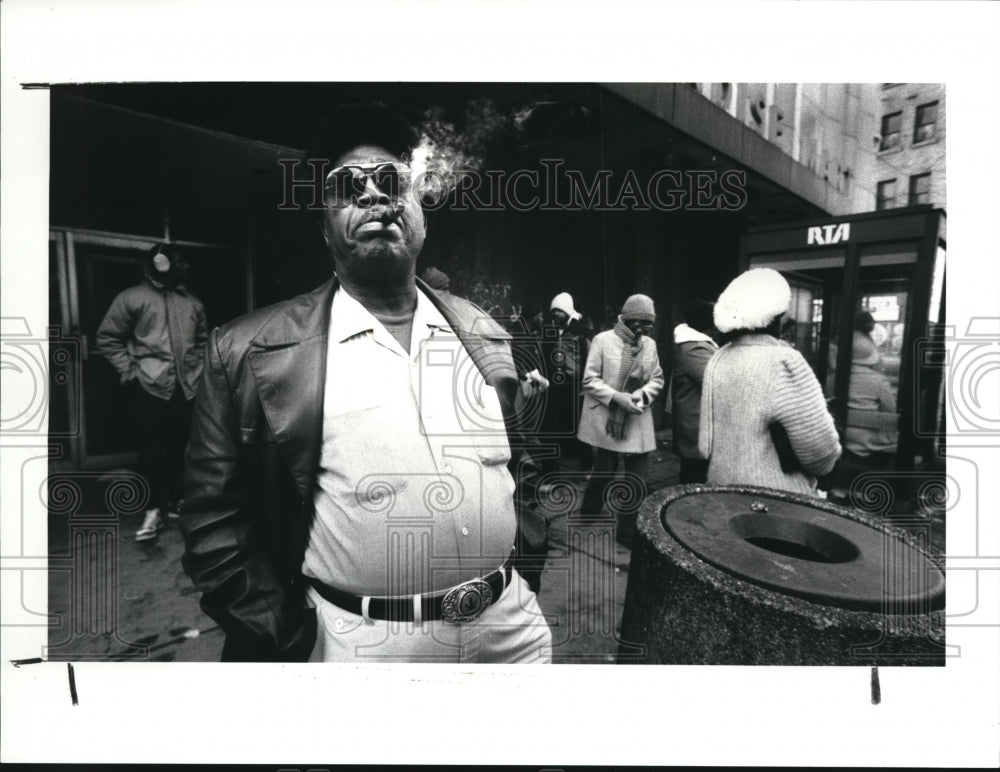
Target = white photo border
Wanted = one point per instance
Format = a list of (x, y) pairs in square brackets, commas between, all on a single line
[(564, 715)]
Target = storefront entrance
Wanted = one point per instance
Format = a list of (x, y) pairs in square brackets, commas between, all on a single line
[(86, 271)]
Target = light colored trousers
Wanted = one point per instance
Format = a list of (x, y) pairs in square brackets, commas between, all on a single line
[(512, 630)]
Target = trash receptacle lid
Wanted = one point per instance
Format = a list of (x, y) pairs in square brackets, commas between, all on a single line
[(776, 541)]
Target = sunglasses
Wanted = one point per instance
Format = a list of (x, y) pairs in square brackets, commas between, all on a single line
[(347, 183)]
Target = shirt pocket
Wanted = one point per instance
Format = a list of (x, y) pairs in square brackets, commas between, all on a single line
[(367, 455), (490, 436)]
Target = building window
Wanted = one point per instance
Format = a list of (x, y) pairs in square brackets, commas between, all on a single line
[(920, 189), (885, 196), (925, 125), (890, 130)]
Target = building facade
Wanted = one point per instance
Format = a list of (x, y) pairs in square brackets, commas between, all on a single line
[(910, 145), (872, 145), (626, 185)]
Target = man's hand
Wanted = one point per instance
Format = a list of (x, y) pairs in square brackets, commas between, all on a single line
[(538, 381)]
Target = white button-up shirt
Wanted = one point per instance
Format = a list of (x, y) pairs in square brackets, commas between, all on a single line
[(413, 490)]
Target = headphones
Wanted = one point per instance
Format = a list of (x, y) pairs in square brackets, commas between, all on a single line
[(161, 263)]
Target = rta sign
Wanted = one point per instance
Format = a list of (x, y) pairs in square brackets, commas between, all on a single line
[(828, 234)]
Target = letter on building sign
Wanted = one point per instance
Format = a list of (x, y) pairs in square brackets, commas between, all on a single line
[(828, 234)]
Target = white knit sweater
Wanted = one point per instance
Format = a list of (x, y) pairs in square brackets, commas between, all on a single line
[(750, 383)]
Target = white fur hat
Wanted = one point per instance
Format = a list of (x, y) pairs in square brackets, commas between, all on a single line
[(752, 300)]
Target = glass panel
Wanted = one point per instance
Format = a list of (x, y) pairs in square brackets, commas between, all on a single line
[(871, 424), (925, 123), (886, 194), (831, 352), (800, 327), (896, 253), (889, 258), (890, 131), (920, 186), (937, 286), (800, 261), (61, 417), (105, 271)]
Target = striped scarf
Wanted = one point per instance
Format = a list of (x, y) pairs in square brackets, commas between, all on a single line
[(615, 426)]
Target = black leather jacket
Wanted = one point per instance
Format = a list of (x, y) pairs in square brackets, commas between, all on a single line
[(253, 456)]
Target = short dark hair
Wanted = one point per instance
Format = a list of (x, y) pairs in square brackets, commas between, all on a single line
[(698, 314), (361, 123), (864, 322)]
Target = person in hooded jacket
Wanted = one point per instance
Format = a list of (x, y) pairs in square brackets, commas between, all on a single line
[(154, 335), (693, 347), (565, 341)]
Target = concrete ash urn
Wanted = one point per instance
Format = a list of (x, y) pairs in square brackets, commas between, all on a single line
[(738, 575)]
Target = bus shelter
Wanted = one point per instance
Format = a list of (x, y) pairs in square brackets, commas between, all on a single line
[(879, 275)]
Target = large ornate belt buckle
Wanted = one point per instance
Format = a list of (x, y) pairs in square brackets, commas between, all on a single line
[(466, 601)]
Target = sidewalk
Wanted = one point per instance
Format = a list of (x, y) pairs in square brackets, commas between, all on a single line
[(118, 599), (115, 599), (586, 573)]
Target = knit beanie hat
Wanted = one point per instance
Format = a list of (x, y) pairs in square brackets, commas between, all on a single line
[(639, 307), (752, 300), (435, 278), (563, 302)]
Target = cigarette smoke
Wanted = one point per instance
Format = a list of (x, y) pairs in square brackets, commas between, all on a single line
[(444, 152)]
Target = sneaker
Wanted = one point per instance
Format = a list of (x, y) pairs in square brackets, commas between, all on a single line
[(151, 526), (174, 510)]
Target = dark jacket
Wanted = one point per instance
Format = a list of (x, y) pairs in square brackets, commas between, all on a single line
[(564, 354), (692, 350), (253, 457)]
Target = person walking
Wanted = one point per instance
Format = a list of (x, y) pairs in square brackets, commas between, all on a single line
[(621, 379)]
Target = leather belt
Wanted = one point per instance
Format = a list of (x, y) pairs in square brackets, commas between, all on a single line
[(462, 603)]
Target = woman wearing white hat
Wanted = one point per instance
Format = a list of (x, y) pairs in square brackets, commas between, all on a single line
[(757, 388)]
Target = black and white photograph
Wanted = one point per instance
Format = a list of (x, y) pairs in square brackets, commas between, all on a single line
[(374, 375), (582, 244)]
